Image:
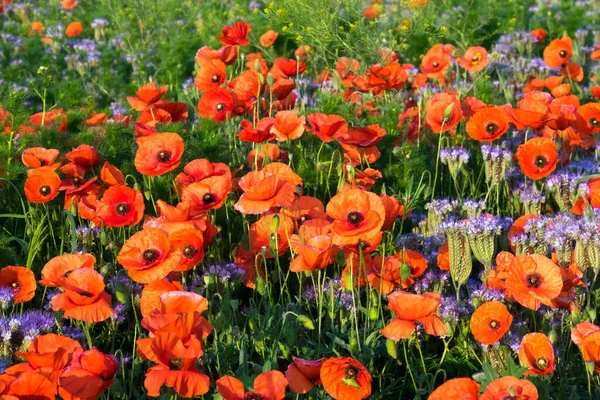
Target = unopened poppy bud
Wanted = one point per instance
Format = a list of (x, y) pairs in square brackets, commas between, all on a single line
[(353, 345), (351, 171), (257, 66), (261, 79), (306, 322), (102, 237), (390, 345), (373, 314), (270, 80), (397, 151)]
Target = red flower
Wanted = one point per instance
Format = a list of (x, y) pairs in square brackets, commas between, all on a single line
[(120, 206), (216, 104), (268, 386), (236, 34), (91, 372), (345, 378), (147, 95), (159, 154)]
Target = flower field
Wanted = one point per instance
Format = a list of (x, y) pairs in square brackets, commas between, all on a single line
[(299, 199)]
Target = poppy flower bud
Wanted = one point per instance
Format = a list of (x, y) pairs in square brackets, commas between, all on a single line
[(373, 314), (270, 79), (390, 346), (306, 322), (353, 345), (351, 171)]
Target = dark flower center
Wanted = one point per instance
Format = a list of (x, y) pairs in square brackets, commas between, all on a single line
[(77, 182), (122, 209), (151, 255), (45, 190), (164, 156), (476, 59), (541, 363), (215, 78), (252, 396), (220, 107), (594, 123), (435, 64), (208, 198), (494, 324), (15, 286), (355, 218), (189, 251), (491, 128), (541, 161), (351, 372), (562, 53), (534, 280), (176, 363), (43, 162), (86, 294), (303, 218)]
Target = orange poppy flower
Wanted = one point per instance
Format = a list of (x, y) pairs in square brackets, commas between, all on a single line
[(261, 133), (216, 104), (271, 233), (365, 244), (363, 179), (74, 29), (148, 255), (20, 281), (490, 322), (111, 175), (269, 385), (68, 4), (529, 113), (147, 96), (228, 54), (288, 67), (303, 374), (287, 125), (35, 157), (443, 112), (120, 206), (84, 156), (159, 154), (91, 372), (284, 171), (510, 387), (50, 118), (355, 213), (393, 210), (539, 34), (359, 144), (534, 279), (537, 354), (345, 378), (211, 75), (474, 59), (60, 267), (236, 34), (488, 124), (307, 208), (537, 157), (263, 191), (199, 169), (588, 118), (385, 276), (410, 308), (176, 367), (41, 185), (209, 194), (590, 349), (518, 227), (36, 27), (356, 271), (558, 52), (188, 243), (327, 127), (563, 115), (456, 389), (443, 257), (29, 385), (315, 252), (150, 299), (435, 63), (581, 331), (84, 298), (268, 38), (174, 218), (595, 90)]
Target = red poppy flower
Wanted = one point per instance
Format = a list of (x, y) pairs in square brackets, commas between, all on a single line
[(581, 331), (50, 118), (537, 157), (355, 213), (539, 34), (268, 38), (534, 279), (529, 113), (287, 126), (148, 255), (83, 156), (20, 281), (174, 218), (393, 210), (36, 157), (258, 155), (327, 127), (150, 299), (228, 54), (315, 252), (303, 374), (435, 63), (216, 104), (261, 133), (410, 308), (120, 206), (29, 385), (456, 389), (487, 124), (359, 144), (199, 169), (490, 322), (271, 233), (510, 387), (189, 244), (41, 185), (345, 378), (74, 29), (60, 267), (590, 349), (159, 154), (211, 75), (236, 34), (84, 298), (588, 118), (111, 175), (147, 95), (474, 59), (307, 208), (91, 372), (443, 112), (289, 67), (263, 191), (268, 386), (208, 194), (537, 354), (558, 52)]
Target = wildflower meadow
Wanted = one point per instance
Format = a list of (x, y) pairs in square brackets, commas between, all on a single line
[(299, 199)]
